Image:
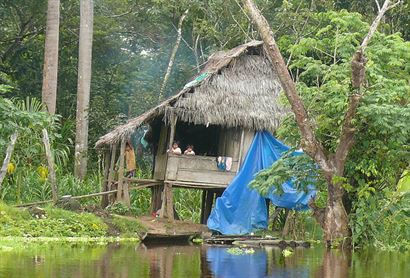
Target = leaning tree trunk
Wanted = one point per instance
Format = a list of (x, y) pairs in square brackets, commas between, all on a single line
[(50, 70), (333, 219), (83, 87), (172, 57)]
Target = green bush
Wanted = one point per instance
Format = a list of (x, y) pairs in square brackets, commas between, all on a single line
[(57, 223), (382, 219)]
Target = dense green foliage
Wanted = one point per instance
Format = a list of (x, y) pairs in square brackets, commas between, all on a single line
[(57, 223), (383, 219), (321, 65)]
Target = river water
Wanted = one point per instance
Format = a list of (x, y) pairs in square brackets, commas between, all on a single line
[(186, 261)]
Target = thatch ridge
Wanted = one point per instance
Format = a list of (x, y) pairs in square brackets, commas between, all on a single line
[(235, 90)]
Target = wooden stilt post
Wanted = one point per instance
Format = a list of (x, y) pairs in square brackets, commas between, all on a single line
[(105, 184), (111, 170), (50, 160), (218, 193), (156, 202), (240, 150), (170, 200), (209, 200), (126, 194), (172, 133), (202, 220), (120, 192), (167, 209), (6, 160)]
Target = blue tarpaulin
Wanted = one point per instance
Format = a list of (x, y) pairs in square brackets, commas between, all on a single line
[(241, 210)]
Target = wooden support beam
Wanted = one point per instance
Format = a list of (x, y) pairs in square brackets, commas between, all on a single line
[(142, 181), (50, 161), (126, 194), (112, 164), (170, 200), (201, 220), (104, 185), (208, 204), (218, 193), (173, 127), (167, 210), (6, 160), (241, 150), (143, 186), (121, 172), (198, 185), (156, 202)]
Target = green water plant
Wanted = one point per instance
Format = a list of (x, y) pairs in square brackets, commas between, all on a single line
[(240, 251)]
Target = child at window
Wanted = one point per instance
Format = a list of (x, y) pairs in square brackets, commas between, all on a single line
[(175, 148), (189, 150)]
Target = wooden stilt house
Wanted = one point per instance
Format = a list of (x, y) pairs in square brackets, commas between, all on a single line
[(234, 95)]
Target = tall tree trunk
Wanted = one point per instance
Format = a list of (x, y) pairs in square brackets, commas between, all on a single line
[(172, 57), (333, 219), (83, 88), (50, 70)]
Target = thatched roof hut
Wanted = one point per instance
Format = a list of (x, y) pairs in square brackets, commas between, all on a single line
[(236, 88)]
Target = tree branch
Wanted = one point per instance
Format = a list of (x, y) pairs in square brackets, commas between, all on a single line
[(376, 22)]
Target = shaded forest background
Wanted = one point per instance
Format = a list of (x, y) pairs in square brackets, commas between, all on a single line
[(132, 44)]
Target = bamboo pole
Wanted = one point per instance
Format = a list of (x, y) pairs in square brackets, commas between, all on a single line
[(6, 160), (50, 160), (74, 197)]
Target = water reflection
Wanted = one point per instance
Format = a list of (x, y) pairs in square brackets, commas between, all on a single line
[(336, 264), (195, 261)]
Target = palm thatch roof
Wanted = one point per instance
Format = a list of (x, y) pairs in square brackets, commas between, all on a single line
[(236, 88)]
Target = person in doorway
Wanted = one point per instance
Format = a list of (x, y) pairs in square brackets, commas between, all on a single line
[(189, 150), (130, 164), (175, 149)]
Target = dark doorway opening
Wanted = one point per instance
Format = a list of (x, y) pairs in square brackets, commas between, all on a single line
[(204, 139)]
